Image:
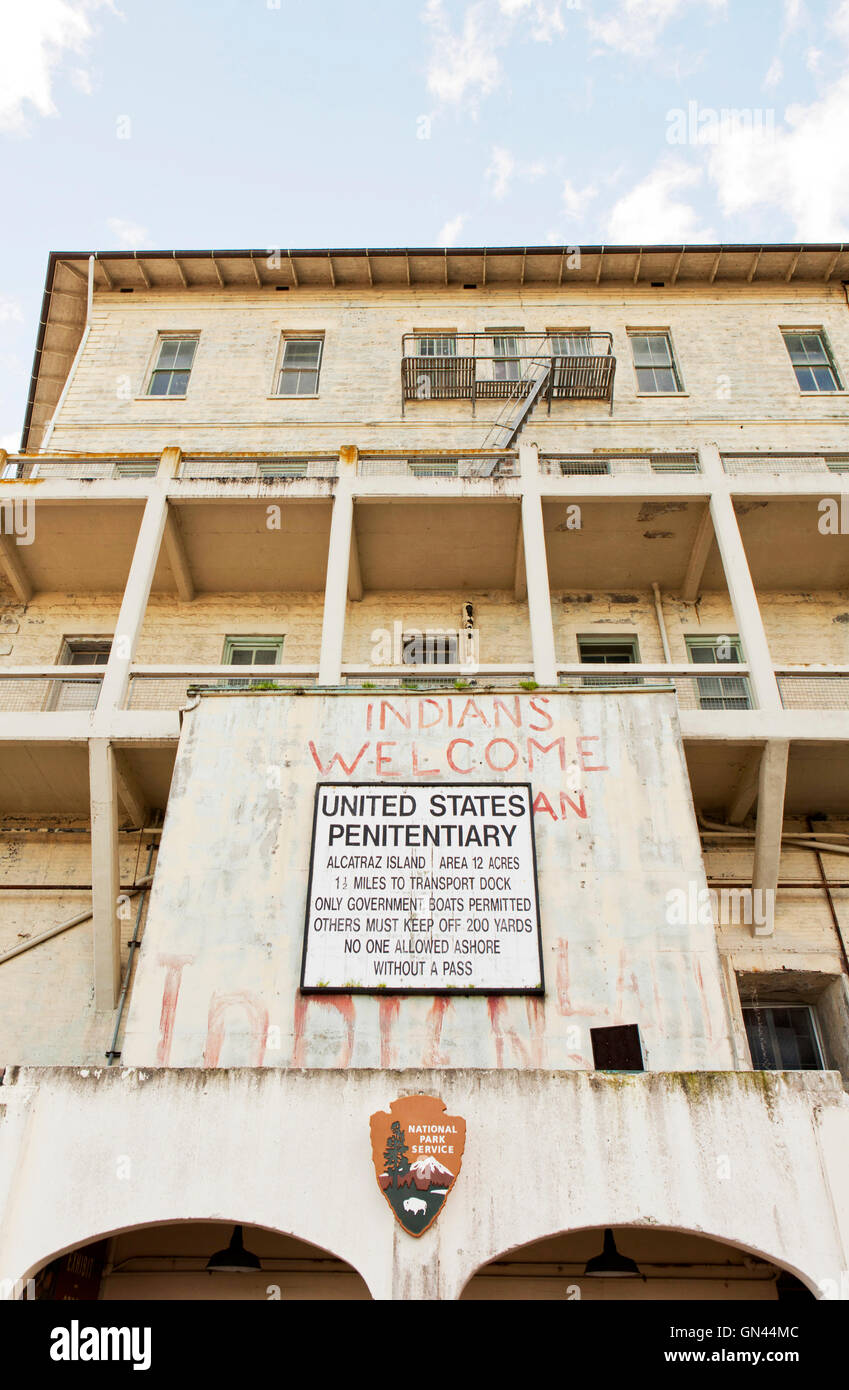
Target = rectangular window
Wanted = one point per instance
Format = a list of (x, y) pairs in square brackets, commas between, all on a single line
[(251, 651), (719, 692), (574, 344), (81, 694), (437, 345), (603, 651), (506, 360), (654, 363), (300, 364), (812, 360), (783, 1037), (170, 375), (429, 649), (617, 1049)]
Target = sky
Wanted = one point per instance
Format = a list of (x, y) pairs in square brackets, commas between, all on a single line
[(275, 123)]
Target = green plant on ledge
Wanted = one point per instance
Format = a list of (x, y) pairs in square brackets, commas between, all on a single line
[(529, 685)]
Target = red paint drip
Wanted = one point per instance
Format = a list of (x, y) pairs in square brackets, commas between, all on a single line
[(434, 1057), (387, 1014)]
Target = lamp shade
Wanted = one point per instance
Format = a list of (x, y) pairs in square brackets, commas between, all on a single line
[(235, 1259), (610, 1264)]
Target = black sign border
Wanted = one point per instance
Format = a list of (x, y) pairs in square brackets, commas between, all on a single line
[(458, 992)]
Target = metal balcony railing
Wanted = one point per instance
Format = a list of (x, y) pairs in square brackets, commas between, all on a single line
[(806, 689), (170, 687), (698, 687), (783, 463), (487, 366), (613, 465), (84, 470), (49, 689), (271, 468), (444, 465)]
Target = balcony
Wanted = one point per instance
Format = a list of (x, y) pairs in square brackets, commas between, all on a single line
[(483, 366), (607, 464), (447, 464)]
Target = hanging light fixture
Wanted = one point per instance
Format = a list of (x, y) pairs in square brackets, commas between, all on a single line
[(235, 1259), (610, 1264)]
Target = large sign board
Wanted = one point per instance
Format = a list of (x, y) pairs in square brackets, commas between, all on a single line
[(423, 888)]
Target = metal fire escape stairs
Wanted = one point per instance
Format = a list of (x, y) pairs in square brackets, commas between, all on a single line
[(518, 405)]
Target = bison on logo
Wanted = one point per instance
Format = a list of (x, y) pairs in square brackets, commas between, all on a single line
[(417, 1151)]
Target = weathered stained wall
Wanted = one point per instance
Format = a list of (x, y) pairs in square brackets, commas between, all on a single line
[(220, 965), (754, 1159), (727, 341), (809, 627)]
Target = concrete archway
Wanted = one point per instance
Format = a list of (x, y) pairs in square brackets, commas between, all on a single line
[(167, 1261), (673, 1265)]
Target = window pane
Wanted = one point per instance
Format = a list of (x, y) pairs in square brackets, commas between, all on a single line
[(794, 345), (159, 384), (824, 379), (642, 352), (812, 345), (805, 378), (782, 1037), (241, 656), (265, 656), (664, 379), (168, 352), (185, 352), (301, 352), (179, 384)]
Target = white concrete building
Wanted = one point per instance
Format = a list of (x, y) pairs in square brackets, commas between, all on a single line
[(419, 849)]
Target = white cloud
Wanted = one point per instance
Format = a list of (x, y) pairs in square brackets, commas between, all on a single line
[(10, 310), (82, 81), (37, 36), (546, 19), (802, 172), (10, 441), (839, 22), (464, 63), (813, 59), (449, 231), (653, 211), (576, 200), (504, 167), (128, 234), (794, 11), (775, 72), (635, 25)]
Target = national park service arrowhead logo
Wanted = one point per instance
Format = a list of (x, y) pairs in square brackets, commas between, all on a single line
[(417, 1151)]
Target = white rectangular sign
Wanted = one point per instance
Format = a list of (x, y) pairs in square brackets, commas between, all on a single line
[(423, 888)]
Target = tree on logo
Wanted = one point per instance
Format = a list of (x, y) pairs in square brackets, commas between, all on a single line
[(395, 1154)]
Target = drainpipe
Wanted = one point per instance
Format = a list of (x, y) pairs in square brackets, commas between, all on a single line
[(48, 434), (661, 622), (111, 1055)]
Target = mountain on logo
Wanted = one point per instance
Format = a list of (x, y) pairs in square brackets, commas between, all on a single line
[(434, 1172), (423, 1174)]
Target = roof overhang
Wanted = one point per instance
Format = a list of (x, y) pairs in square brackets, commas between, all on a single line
[(63, 311)]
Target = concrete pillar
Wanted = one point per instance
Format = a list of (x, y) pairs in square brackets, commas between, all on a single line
[(336, 584), (536, 569), (744, 601), (133, 605), (105, 880)]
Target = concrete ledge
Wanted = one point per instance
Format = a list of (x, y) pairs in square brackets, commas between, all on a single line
[(752, 1158)]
